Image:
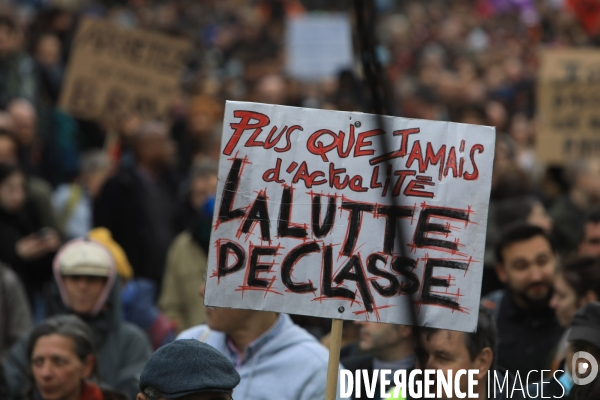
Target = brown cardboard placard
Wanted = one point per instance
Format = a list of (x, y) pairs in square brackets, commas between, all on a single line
[(113, 72), (568, 98)]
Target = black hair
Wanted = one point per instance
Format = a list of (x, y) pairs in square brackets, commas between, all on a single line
[(582, 274), (517, 233), (485, 336), (514, 209)]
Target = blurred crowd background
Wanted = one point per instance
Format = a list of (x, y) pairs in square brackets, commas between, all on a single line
[(145, 188)]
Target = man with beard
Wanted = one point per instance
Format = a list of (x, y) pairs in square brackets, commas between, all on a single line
[(527, 327)]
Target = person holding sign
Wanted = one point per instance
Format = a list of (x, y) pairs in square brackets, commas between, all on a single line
[(275, 358)]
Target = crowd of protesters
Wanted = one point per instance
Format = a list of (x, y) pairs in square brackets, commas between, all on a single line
[(104, 239)]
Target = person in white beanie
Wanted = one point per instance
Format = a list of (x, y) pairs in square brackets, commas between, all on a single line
[(86, 285)]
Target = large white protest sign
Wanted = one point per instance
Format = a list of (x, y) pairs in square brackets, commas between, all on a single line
[(318, 46), (310, 205)]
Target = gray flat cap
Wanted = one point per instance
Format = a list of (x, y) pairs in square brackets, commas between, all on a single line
[(188, 366)]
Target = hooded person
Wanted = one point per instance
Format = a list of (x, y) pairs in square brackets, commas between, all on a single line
[(275, 358), (86, 284), (137, 295)]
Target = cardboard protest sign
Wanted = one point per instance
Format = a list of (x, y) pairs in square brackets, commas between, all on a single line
[(318, 46), (114, 71), (310, 203), (568, 105)]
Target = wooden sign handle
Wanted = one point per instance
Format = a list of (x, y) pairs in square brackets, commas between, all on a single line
[(334, 358)]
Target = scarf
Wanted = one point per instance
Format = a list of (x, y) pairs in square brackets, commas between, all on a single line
[(89, 392)]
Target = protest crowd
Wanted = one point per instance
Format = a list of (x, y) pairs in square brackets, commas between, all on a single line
[(105, 225)]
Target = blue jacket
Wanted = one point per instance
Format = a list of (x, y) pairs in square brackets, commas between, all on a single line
[(285, 363)]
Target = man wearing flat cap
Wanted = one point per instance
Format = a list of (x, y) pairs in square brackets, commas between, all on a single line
[(188, 370)]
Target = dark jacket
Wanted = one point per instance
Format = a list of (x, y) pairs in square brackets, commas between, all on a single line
[(123, 349), (14, 227), (3, 384), (142, 218), (526, 339)]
